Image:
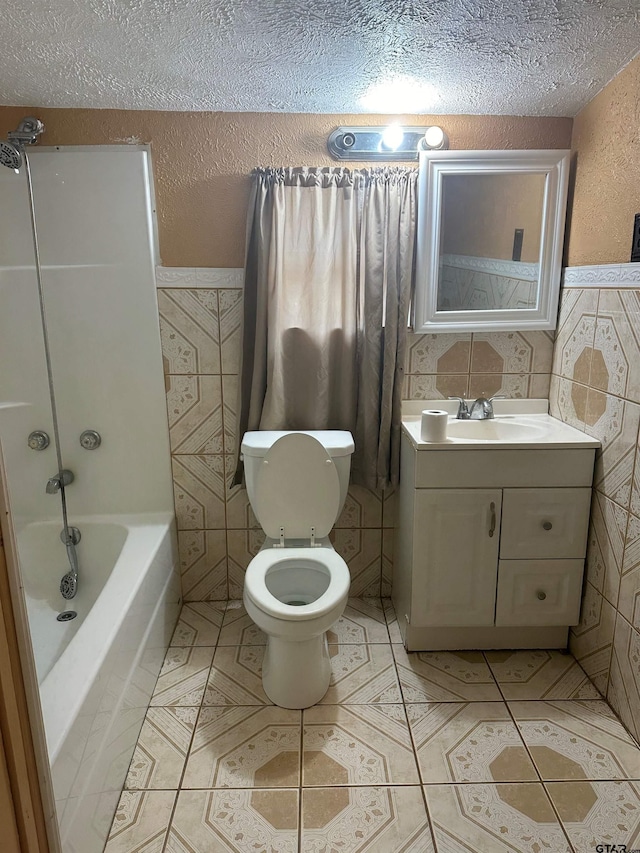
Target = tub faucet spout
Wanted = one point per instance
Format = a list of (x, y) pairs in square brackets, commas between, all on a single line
[(62, 478)]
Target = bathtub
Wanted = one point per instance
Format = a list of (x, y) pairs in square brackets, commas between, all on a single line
[(97, 671)]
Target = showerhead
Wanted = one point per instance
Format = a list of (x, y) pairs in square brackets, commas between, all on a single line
[(27, 133), (10, 155)]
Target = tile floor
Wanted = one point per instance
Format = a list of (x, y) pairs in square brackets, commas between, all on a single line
[(421, 753)]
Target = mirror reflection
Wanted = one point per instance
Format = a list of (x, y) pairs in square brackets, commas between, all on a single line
[(490, 241)]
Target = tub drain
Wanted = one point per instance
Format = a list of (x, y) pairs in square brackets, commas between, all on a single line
[(66, 615)]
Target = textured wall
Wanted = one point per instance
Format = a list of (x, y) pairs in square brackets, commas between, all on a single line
[(202, 160), (607, 173)]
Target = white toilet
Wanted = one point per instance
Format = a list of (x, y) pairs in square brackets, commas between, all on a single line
[(296, 587)]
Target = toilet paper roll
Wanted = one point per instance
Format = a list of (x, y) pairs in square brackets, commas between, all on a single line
[(433, 425)]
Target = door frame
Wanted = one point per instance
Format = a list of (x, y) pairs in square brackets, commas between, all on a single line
[(22, 733)]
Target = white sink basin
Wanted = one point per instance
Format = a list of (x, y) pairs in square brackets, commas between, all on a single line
[(518, 424), (495, 430)]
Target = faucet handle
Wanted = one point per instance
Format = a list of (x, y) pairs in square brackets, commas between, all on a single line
[(463, 411)]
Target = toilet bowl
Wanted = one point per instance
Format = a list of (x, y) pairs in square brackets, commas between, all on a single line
[(297, 586)]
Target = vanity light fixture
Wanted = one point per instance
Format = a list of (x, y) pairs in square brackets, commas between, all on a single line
[(395, 142)]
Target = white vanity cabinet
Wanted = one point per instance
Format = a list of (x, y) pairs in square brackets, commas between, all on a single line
[(490, 545)]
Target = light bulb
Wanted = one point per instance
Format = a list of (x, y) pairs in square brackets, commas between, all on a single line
[(434, 137), (392, 137)]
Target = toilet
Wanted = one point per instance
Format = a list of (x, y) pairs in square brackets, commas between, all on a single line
[(297, 586)]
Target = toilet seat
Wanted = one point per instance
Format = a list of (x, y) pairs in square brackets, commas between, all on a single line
[(297, 489), (326, 558)]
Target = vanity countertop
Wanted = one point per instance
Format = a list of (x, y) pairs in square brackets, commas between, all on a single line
[(518, 424)]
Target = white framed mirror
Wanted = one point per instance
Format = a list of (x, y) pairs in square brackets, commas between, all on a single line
[(489, 240)]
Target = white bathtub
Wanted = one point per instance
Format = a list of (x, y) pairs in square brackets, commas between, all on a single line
[(97, 672)]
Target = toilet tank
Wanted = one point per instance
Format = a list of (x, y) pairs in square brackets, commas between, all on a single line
[(338, 444)]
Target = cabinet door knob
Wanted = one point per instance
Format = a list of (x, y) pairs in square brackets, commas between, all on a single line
[(541, 595), (547, 525)]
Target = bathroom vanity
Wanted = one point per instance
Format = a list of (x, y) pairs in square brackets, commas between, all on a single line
[(492, 530)]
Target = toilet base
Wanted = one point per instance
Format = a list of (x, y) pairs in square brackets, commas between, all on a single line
[(296, 674)]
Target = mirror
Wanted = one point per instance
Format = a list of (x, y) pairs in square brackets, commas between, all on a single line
[(490, 228)]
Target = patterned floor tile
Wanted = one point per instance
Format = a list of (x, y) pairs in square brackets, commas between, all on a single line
[(354, 820), (362, 622), (235, 821), (141, 822), (494, 819), (183, 676), (576, 740), (244, 748), (540, 674), (357, 745), (161, 751), (362, 675), (392, 621), (236, 677), (238, 629), (445, 676), (595, 813), (199, 624), (468, 742)]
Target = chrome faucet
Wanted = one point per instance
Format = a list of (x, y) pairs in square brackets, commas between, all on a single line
[(463, 412), (62, 478), (482, 408)]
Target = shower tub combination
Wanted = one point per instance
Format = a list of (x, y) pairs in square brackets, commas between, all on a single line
[(81, 354), (97, 671)]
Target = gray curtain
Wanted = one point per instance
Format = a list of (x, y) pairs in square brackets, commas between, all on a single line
[(328, 274)]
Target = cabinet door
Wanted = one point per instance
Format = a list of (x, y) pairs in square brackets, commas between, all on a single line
[(455, 556), (544, 523)]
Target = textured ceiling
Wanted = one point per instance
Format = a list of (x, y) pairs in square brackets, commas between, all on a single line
[(517, 57)]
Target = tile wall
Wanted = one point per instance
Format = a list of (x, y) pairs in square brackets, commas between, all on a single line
[(595, 386), (200, 312)]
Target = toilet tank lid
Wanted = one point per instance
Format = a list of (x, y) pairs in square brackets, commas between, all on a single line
[(337, 442)]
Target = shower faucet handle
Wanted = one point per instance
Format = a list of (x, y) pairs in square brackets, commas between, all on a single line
[(38, 440), (90, 439), (61, 479)]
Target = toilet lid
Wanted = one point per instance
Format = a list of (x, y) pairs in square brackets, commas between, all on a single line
[(297, 488)]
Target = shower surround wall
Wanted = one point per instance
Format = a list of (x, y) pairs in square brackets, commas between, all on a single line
[(200, 314)]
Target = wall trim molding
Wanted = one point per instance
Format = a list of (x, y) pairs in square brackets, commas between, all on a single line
[(493, 266), (602, 276), (200, 277)]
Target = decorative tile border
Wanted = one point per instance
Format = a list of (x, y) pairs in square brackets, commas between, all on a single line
[(602, 276), (511, 269), (195, 277)]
